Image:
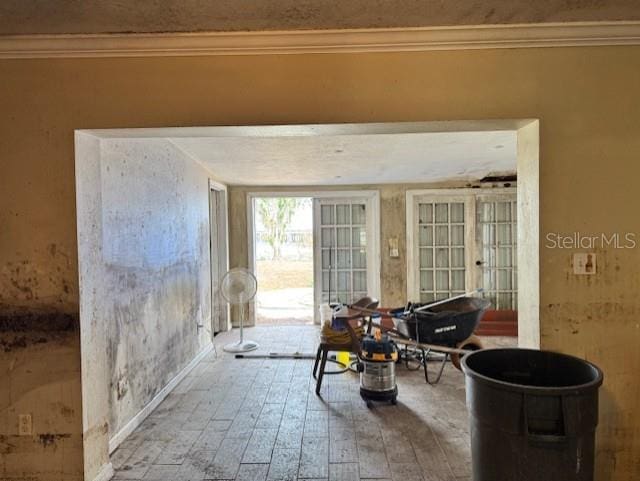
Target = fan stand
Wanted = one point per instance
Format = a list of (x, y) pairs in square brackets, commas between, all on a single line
[(241, 345)]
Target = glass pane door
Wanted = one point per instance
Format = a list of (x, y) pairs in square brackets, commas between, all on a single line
[(343, 243), (497, 238), (441, 249)]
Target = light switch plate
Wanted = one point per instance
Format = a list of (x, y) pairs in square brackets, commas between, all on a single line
[(394, 251), (584, 263)]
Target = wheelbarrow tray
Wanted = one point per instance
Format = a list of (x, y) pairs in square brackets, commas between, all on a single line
[(446, 324)]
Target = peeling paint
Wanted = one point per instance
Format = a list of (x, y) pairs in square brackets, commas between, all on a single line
[(48, 440)]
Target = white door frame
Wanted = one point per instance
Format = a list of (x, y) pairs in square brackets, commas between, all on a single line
[(494, 195), (373, 202), (469, 197), (222, 226), (372, 246)]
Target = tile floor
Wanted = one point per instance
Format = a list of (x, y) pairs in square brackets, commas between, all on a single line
[(259, 420)]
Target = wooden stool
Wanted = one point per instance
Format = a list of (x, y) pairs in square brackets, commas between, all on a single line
[(322, 356)]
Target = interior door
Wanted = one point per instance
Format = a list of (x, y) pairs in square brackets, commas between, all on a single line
[(219, 258), (441, 247), (496, 237), (345, 261)]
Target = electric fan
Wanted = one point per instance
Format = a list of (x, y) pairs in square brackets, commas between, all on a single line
[(238, 287)]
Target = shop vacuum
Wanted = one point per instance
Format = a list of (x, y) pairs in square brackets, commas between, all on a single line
[(377, 367)]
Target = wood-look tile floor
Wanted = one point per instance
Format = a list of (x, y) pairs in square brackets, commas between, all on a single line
[(260, 420)]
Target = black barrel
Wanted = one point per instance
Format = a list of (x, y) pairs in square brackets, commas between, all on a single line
[(533, 415)]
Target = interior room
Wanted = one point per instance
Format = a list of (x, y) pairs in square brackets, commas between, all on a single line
[(301, 242), (150, 284)]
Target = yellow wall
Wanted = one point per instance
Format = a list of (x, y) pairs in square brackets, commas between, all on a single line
[(589, 110)]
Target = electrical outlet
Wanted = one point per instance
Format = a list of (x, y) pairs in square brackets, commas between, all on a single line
[(584, 264), (25, 425)]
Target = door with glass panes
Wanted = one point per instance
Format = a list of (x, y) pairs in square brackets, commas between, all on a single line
[(441, 247), (461, 241), (497, 256), (346, 266)]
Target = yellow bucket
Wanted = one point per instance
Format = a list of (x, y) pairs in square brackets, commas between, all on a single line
[(343, 358)]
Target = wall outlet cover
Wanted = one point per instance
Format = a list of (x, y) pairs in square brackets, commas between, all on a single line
[(584, 263), (394, 251), (25, 425)]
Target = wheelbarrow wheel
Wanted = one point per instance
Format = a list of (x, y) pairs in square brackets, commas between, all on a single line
[(472, 343)]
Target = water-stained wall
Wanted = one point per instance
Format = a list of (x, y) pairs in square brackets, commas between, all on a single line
[(40, 377), (585, 97), (39, 327), (144, 275)]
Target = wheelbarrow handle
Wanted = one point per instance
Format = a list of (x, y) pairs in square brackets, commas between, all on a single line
[(444, 301)]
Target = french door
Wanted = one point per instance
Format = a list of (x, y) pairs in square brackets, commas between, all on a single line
[(496, 238), (442, 247), (346, 251), (460, 240)]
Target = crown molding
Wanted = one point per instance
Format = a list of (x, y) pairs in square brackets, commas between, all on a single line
[(321, 41)]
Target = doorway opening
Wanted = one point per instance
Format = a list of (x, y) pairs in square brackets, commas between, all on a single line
[(283, 240), (144, 209), (340, 260)]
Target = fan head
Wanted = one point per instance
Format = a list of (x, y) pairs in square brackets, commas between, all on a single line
[(238, 286)]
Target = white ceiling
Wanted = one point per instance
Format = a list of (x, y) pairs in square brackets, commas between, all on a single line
[(361, 159), (346, 154)]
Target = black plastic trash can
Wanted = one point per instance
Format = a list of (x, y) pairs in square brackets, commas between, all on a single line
[(533, 415)]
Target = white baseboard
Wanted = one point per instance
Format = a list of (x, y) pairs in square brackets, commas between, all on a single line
[(106, 473), (128, 428)]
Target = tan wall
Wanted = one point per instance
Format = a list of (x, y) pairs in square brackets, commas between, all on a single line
[(589, 111)]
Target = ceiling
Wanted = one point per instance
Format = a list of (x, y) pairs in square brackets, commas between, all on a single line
[(355, 159), (344, 154), (160, 16)]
